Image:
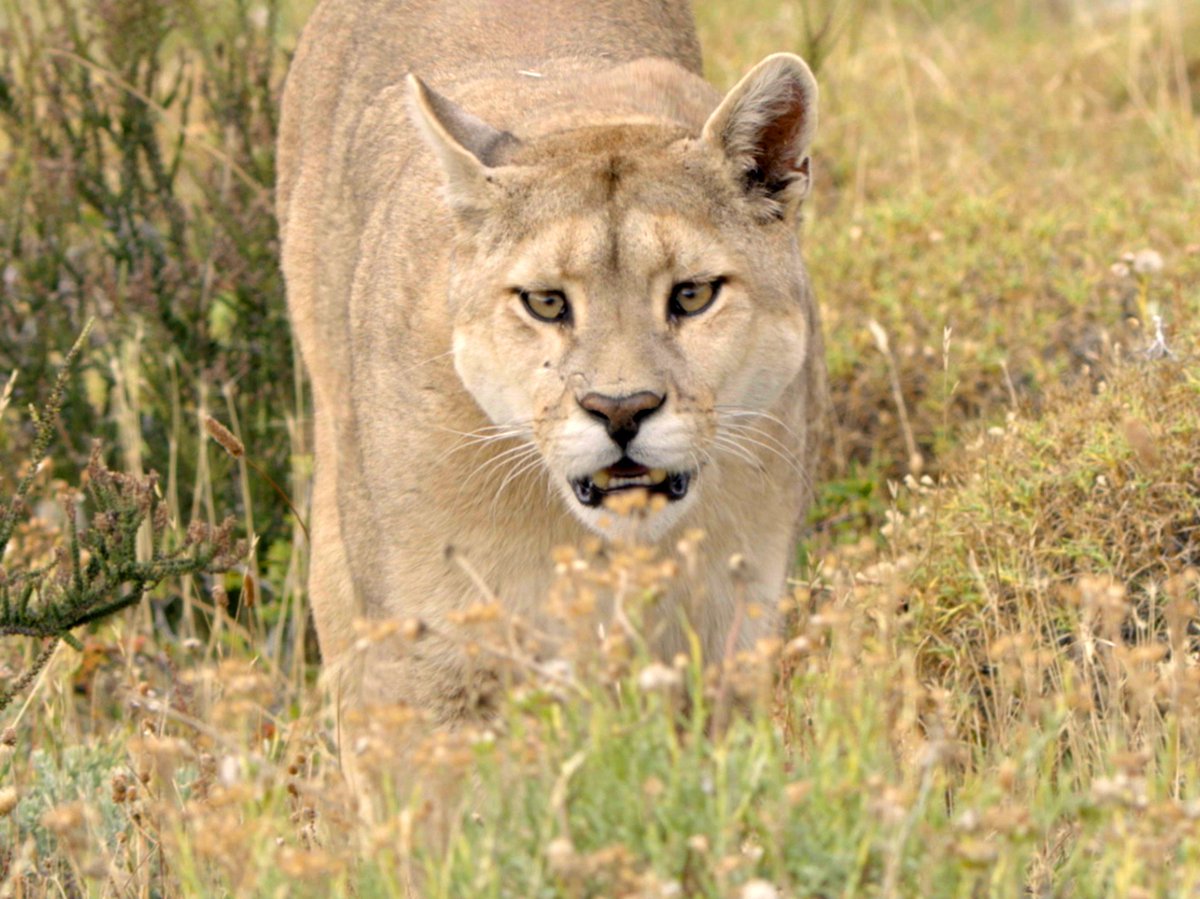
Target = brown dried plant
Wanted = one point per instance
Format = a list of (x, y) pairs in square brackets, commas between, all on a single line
[(99, 569)]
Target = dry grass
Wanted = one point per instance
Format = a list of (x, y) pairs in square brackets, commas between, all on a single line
[(990, 679)]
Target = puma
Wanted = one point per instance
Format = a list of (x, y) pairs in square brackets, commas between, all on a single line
[(534, 263)]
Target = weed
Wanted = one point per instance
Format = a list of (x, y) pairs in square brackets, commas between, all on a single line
[(94, 573), (988, 682)]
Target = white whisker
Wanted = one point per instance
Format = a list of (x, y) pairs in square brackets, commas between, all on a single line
[(485, 435), (515, 427), (759, 432), (732, 448), (788, 457), (511, 456), (518, 471), (745, 412), (729, 447)]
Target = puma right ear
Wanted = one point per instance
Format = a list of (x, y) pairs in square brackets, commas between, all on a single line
[(764, 126), (465, 145)]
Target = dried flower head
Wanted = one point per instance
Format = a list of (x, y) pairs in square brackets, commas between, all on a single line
[(8, 800), (656, 677), (1148, 262), (225, 437), (759, 889)]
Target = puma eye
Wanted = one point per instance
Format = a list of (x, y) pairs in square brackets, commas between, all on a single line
[(692, 297), (546, 305)]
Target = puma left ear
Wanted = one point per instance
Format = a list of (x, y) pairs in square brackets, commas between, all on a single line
[(764, 127), (466, 146)]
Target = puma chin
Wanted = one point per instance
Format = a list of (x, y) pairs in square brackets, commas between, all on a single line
[(665, 485)]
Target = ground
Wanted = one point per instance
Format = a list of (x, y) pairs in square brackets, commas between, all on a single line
[(989, 681)]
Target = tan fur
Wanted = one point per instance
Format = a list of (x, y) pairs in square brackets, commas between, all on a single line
[(561, 144)]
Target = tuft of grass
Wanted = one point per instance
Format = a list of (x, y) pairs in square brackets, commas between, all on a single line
[(989, 679), (1077, 533)]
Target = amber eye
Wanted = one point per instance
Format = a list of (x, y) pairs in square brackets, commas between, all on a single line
[(546, 305), (692, 297)]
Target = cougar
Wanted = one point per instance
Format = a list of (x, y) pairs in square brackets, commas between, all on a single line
[(535, 263)]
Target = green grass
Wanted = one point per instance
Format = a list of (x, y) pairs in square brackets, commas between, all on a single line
[(989, 681)]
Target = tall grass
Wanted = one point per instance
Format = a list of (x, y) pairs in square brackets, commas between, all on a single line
[(988, 682)]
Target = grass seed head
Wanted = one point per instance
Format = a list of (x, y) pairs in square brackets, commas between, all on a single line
[(9, 797), (223, 436), (759, 889)]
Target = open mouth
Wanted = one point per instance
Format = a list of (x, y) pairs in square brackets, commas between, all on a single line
[(626, 474)]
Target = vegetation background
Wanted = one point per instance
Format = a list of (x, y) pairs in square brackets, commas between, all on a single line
[(990, 682)]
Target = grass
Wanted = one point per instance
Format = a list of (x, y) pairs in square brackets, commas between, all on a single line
[(989, 681)]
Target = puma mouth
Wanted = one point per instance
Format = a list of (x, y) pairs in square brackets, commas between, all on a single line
[(626, 474)]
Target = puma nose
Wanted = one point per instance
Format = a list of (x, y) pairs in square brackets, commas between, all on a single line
[(622, 414)]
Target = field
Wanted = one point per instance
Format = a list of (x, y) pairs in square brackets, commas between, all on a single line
[(990, 680)]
